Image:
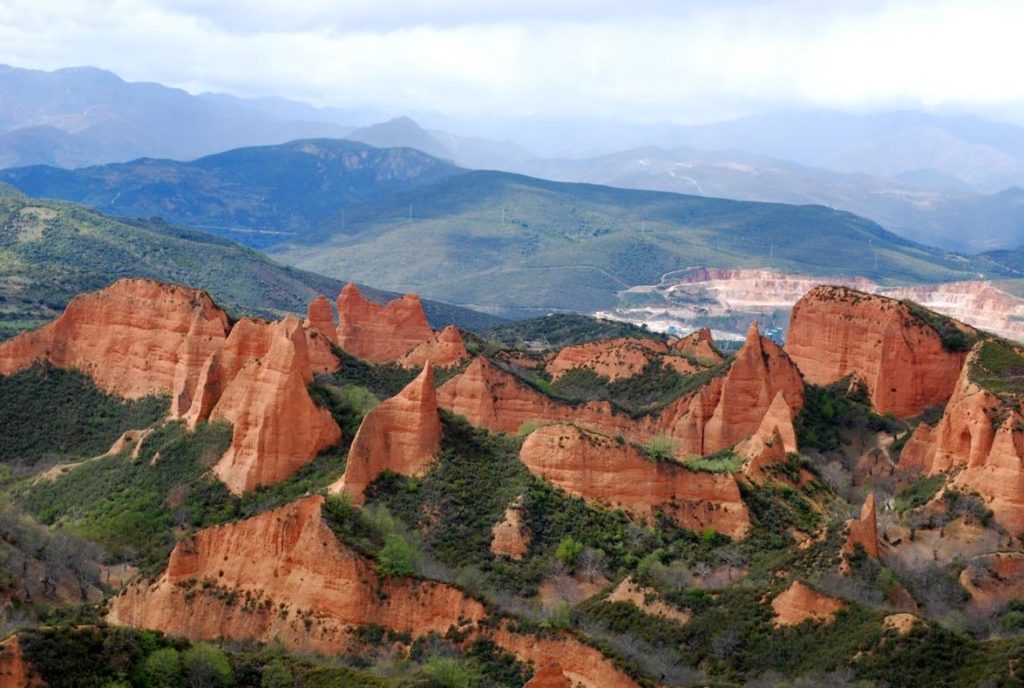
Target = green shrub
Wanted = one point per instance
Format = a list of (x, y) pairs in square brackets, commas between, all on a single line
[(660, 448), (451, 672), (397, 558), (162, 669), (567, 551), (205, 666), (277, 674)]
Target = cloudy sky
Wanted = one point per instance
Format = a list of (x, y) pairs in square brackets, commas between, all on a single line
[(641, 59)]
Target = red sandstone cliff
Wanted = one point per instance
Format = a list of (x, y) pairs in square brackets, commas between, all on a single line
[(603, 469), (980, 435), (864, 530), (140, 337), (800, 603), (549, 676), (581, 663), (616, 359), (772, 441), (264, 578), (134, 338), (320, 316), (402, 435), (380, 333), (836, 331), (444, 348), (700, 345)]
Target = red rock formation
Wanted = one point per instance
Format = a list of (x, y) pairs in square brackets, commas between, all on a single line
[(994, 579), (283, 576), (835, 332), (321, 317), (863, 531), (990, 456), (380, 333), (549, 676), (617, 359), (580, 663), (444, 348), (800, 603), (733, 406), (401, 435), (134, 338), (258, 382), (494, 399), (774, 439), (603, 469), (15, 672), (700, 345), (508, 536)]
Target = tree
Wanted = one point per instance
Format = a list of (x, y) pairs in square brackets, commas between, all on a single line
[(591, 563), (567, 551), (162, 669), (397, 558), (206, 667), (277, 674)]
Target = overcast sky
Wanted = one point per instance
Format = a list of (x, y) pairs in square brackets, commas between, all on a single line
[(642, 60)]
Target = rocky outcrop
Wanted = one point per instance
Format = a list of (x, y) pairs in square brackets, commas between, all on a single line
[(698, 345), (257, 382), (645, 599), (835, 332), (140, 337), (380, 333), (549, 676), (492, 398), (509, 537), (863, 532), (283, 576), (321, 317), (982, 436), (401, 435), (15, 671), (774, 439), (444, 348), (800, 603), (617, 359), (977, 302), (733, 406), (725, 410), (580, 663), (134, 338), (994, 579), (606, 470)]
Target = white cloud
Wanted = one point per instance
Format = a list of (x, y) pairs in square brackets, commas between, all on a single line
[(642, 60)]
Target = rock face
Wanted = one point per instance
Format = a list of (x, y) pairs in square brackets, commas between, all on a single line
[(836, 331), (261, 579), (140, 337), (800, 603), (15, 672), (134, 338), (549, 676), (602, 469), (699, 345), (380, 333), (775, 437), (580, 663), (716, 416), (980, 434), (994, 579), (321, 317), (620, 358), (863, 531), (402, 435), (508, 536), (494, 399), (444, 348), (257, 382)]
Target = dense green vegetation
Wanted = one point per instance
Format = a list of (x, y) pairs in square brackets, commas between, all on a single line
[(531, 246), (999, 368), (953, 337), (49, 414), (559, 330), (132, 506), (829, 411)]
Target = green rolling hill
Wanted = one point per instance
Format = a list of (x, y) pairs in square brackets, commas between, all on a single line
[(499, 240), (51, 250)]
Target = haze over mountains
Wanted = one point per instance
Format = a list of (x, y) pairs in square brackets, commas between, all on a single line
[(946, 181)]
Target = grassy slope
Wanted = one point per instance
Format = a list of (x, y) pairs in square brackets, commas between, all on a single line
[(50, 251), (574, 246)]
